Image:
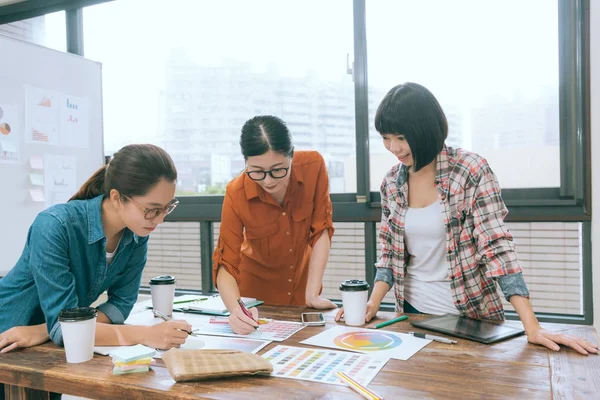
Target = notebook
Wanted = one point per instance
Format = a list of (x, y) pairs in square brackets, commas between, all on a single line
[(214, 305)]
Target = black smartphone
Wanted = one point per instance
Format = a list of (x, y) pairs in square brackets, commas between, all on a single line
[(313, 319)]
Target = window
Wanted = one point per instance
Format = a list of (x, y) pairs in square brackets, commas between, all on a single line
[(174, 249), (190, 74), (48, 30), (551, 256), (496, 78)]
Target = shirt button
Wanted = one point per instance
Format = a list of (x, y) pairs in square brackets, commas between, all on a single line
[(283, 213), (289, 280), (287, 232), (289, 293), (291, 250), (291, 266)]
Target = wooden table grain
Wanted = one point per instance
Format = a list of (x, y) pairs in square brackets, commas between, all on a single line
[(511, 369)]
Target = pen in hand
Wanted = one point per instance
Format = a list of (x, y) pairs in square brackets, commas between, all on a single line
[(247, 313), (432, 337), (167, 318)]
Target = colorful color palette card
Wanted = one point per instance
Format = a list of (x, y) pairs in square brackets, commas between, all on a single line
[(369, 341), (321, 366), (271, 330)]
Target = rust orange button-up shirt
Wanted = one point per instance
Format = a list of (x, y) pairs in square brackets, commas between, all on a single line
[(267, 246)]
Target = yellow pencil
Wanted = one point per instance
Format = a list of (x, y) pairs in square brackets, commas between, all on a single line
[(366, 393)]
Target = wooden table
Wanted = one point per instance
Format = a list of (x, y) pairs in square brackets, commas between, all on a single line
[(512, 369)]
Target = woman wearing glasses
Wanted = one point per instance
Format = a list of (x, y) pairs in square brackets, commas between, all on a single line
[(276, 225), (96, 242)]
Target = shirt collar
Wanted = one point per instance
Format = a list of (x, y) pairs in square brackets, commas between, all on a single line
[(95, 226)]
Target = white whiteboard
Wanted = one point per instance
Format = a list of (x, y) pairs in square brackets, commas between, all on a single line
[(50, 117)]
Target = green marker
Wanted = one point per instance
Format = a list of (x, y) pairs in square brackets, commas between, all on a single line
[(391, 321)]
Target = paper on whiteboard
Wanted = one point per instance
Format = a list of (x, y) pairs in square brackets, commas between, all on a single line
[(9, 134), (36, 162), (74, 121), (60, 175), (36, 179), (37, 194), (42, 116)]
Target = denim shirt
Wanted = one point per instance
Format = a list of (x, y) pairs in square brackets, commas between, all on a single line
[(64, 265)]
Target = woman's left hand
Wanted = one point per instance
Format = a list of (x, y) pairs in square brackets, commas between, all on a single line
[(319, 303), (552, 340), (23, 336)]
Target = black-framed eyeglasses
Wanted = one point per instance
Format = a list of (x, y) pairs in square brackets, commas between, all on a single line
[(276, 173), (152, 213)]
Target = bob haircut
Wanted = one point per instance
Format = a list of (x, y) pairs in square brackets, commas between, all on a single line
[(412, 111)]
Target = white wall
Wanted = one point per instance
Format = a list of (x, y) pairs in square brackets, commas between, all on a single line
[(595, 126)]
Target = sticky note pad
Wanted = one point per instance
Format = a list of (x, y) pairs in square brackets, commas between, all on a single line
[(131, 353)]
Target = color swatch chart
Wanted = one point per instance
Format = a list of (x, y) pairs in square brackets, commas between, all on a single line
[(274, 330), (321, 365), (377, 343)]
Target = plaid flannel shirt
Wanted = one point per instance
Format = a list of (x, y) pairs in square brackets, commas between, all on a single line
[(479, 246)]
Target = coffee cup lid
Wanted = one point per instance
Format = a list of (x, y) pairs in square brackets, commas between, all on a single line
[(163, 280), (77, 314), (354, 285)]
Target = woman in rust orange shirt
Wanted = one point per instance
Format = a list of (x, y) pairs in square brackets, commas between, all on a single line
[(276, 225)]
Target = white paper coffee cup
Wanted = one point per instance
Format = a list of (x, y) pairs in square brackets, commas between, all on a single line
[(78, 326), (162, 289), (355, 294)]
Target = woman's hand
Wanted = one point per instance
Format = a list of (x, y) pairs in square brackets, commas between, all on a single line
[(23, 336), (319, 303), (167, 334), (242, 324), (552, 340), (372, 308)]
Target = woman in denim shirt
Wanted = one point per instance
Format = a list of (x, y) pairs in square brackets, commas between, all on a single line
[(96, 242), (444, 243)]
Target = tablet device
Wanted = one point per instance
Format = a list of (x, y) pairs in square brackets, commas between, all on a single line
[(483, 331)]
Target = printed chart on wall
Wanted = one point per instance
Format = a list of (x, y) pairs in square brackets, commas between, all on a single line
[(369, 341), (321, 365), (60, 173), (42, 116), (269, 330), (56, 118), (74, 122), (9, 134)]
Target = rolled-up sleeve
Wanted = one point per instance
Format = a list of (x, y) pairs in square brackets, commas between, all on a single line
[(231, 237), (124, 293), (50, 267), (495, 246), (513, 285), (322, 216)]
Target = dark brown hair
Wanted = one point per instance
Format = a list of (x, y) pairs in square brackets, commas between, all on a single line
[(133, 171), (412, 111), (263, 133)]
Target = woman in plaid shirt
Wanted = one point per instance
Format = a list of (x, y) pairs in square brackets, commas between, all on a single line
[(444, 243)]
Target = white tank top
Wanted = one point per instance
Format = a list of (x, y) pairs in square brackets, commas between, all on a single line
[(427, 282)]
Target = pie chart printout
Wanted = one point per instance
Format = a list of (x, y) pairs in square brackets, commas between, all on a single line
[(367, 341)]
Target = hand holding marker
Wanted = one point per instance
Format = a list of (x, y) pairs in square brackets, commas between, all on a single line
[(247, 313)]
